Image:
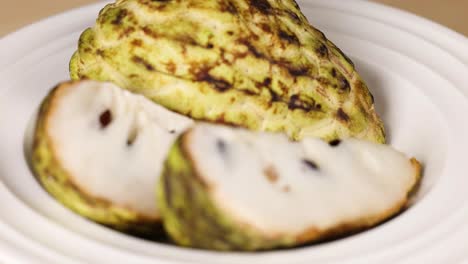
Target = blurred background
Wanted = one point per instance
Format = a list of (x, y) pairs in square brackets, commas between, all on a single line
[(18, 13)]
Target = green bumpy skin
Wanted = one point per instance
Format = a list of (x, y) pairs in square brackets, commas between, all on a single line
[(252, 63), (55, 180)]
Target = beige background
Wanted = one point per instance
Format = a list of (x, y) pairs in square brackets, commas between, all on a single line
[(18, 13)]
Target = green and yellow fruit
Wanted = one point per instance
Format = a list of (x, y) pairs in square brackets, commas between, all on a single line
[(252, 63)]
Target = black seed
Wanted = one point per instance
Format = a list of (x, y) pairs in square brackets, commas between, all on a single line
[(310, 164), (221, 145), (172, 131), (105, 118), (334, 142)]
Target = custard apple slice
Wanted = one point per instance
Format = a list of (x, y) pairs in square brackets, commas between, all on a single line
[(99, 150), (252, 63), (231, 189)]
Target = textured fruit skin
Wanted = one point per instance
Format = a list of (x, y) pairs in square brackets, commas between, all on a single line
[(252, 63), (192, 219), (56, 181)]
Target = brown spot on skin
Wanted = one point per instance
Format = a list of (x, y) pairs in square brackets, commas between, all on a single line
[(261, 5), (310, 164), (298, 71), (126, 32), (229, 7), (171, 67), (322, 51), (100, 52), (251, 48), (249, 92), (221, 118), (105, 118), (137, 42), (209, 46), (219, 84), (344, 84), (296, 103), (201, 74), (274, 96), (230, 33), (265, 27), (334, 142), (271, 174), (286, 189), (149, 32), (120, 16), (143, 62), (342, 115), (333, 72), (323, 81), (294, 16), (291, 38)]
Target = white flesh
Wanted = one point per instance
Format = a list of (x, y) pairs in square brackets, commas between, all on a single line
[(354, 180), (98, 158)]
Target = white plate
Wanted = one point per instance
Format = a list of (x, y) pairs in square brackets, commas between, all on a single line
[(417, 70)]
